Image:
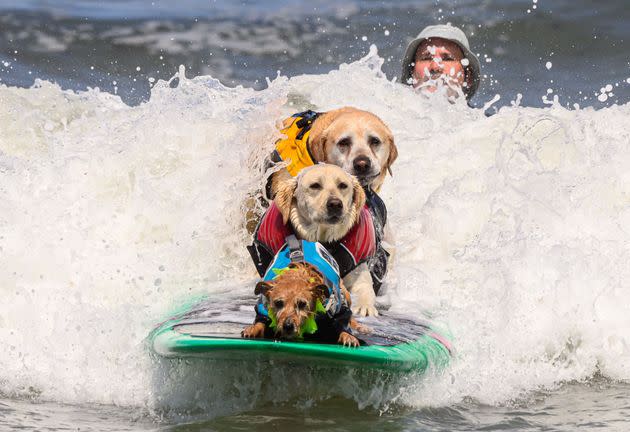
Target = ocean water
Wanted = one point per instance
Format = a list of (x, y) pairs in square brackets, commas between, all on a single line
[(119, 204), (573, 48)]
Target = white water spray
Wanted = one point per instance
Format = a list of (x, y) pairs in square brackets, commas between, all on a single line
[(512, 229)]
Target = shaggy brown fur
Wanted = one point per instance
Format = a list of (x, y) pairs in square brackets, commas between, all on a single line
[(292, 296)]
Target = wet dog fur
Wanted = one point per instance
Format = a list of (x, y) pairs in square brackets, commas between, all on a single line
[(292, 296), (357, 141), (322, 204)]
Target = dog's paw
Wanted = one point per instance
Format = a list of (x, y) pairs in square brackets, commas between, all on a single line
[(363, 297), (358, 327), (347, 340), (253, 331), (365, 310)]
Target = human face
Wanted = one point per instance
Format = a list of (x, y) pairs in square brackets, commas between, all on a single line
[(438, 60)]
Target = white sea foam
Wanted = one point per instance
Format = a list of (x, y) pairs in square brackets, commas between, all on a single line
[(512, 230)]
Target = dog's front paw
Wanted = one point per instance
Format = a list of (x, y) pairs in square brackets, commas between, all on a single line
[(358, 327), (365, 310), (254, 331), (346, 339), (363, 297)]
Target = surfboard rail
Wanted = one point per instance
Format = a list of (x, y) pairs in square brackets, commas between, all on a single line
[(409, 346)]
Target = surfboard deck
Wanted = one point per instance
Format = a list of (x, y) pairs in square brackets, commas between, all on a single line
[(213, 331)]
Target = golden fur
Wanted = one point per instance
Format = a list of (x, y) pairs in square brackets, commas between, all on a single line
[(307, 211), (307, 208), (355, 140)]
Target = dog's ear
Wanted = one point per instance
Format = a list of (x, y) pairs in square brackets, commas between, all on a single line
[(358, 197), (284, 197), (317, 145), (318, 137), (321, 291), (263, 288), (393, 153)]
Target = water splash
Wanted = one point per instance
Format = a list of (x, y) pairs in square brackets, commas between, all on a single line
[(511, 229)]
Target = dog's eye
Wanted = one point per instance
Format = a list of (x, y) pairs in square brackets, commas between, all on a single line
[(344, 142), (278, 304), (301, 304), (343, 186), (315, 186), (373, 141)]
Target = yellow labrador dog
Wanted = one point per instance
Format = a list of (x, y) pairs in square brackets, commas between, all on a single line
[(355, 140), (327, 205)]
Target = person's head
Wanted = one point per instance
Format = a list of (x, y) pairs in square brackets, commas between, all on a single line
[(441, 53)]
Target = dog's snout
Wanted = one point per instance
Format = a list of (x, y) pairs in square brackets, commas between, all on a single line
[(288, 327), (334, 206), (361, 165)]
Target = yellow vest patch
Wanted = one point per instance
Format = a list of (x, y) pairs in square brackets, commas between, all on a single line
[(293, 149)]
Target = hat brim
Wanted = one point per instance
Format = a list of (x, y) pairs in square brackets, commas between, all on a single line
[(474, 67)]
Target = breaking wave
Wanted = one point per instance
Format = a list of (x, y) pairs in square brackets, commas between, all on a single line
[(511, 230)]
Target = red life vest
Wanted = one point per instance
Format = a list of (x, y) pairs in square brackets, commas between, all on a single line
[(358, 245)]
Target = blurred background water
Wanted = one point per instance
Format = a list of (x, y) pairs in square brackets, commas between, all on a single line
[(572, 48)]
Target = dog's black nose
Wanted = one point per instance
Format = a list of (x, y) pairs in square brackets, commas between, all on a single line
[(288, 327), (334, 206), (361, 165)]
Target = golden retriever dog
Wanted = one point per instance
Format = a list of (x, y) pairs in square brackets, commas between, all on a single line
[(323, 203), (292, 299), (355, 140)]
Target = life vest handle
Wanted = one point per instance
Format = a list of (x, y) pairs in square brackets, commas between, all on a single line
[(295, 249)]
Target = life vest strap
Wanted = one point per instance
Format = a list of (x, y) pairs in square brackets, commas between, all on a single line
[(295, 249), (305, 121)]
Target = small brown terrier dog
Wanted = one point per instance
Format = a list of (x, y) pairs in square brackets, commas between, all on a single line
[(292, 297)]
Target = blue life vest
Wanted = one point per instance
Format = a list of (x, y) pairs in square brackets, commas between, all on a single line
[(295, 251)]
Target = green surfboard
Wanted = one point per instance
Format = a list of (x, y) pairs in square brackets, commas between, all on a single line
[(208, 330)]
